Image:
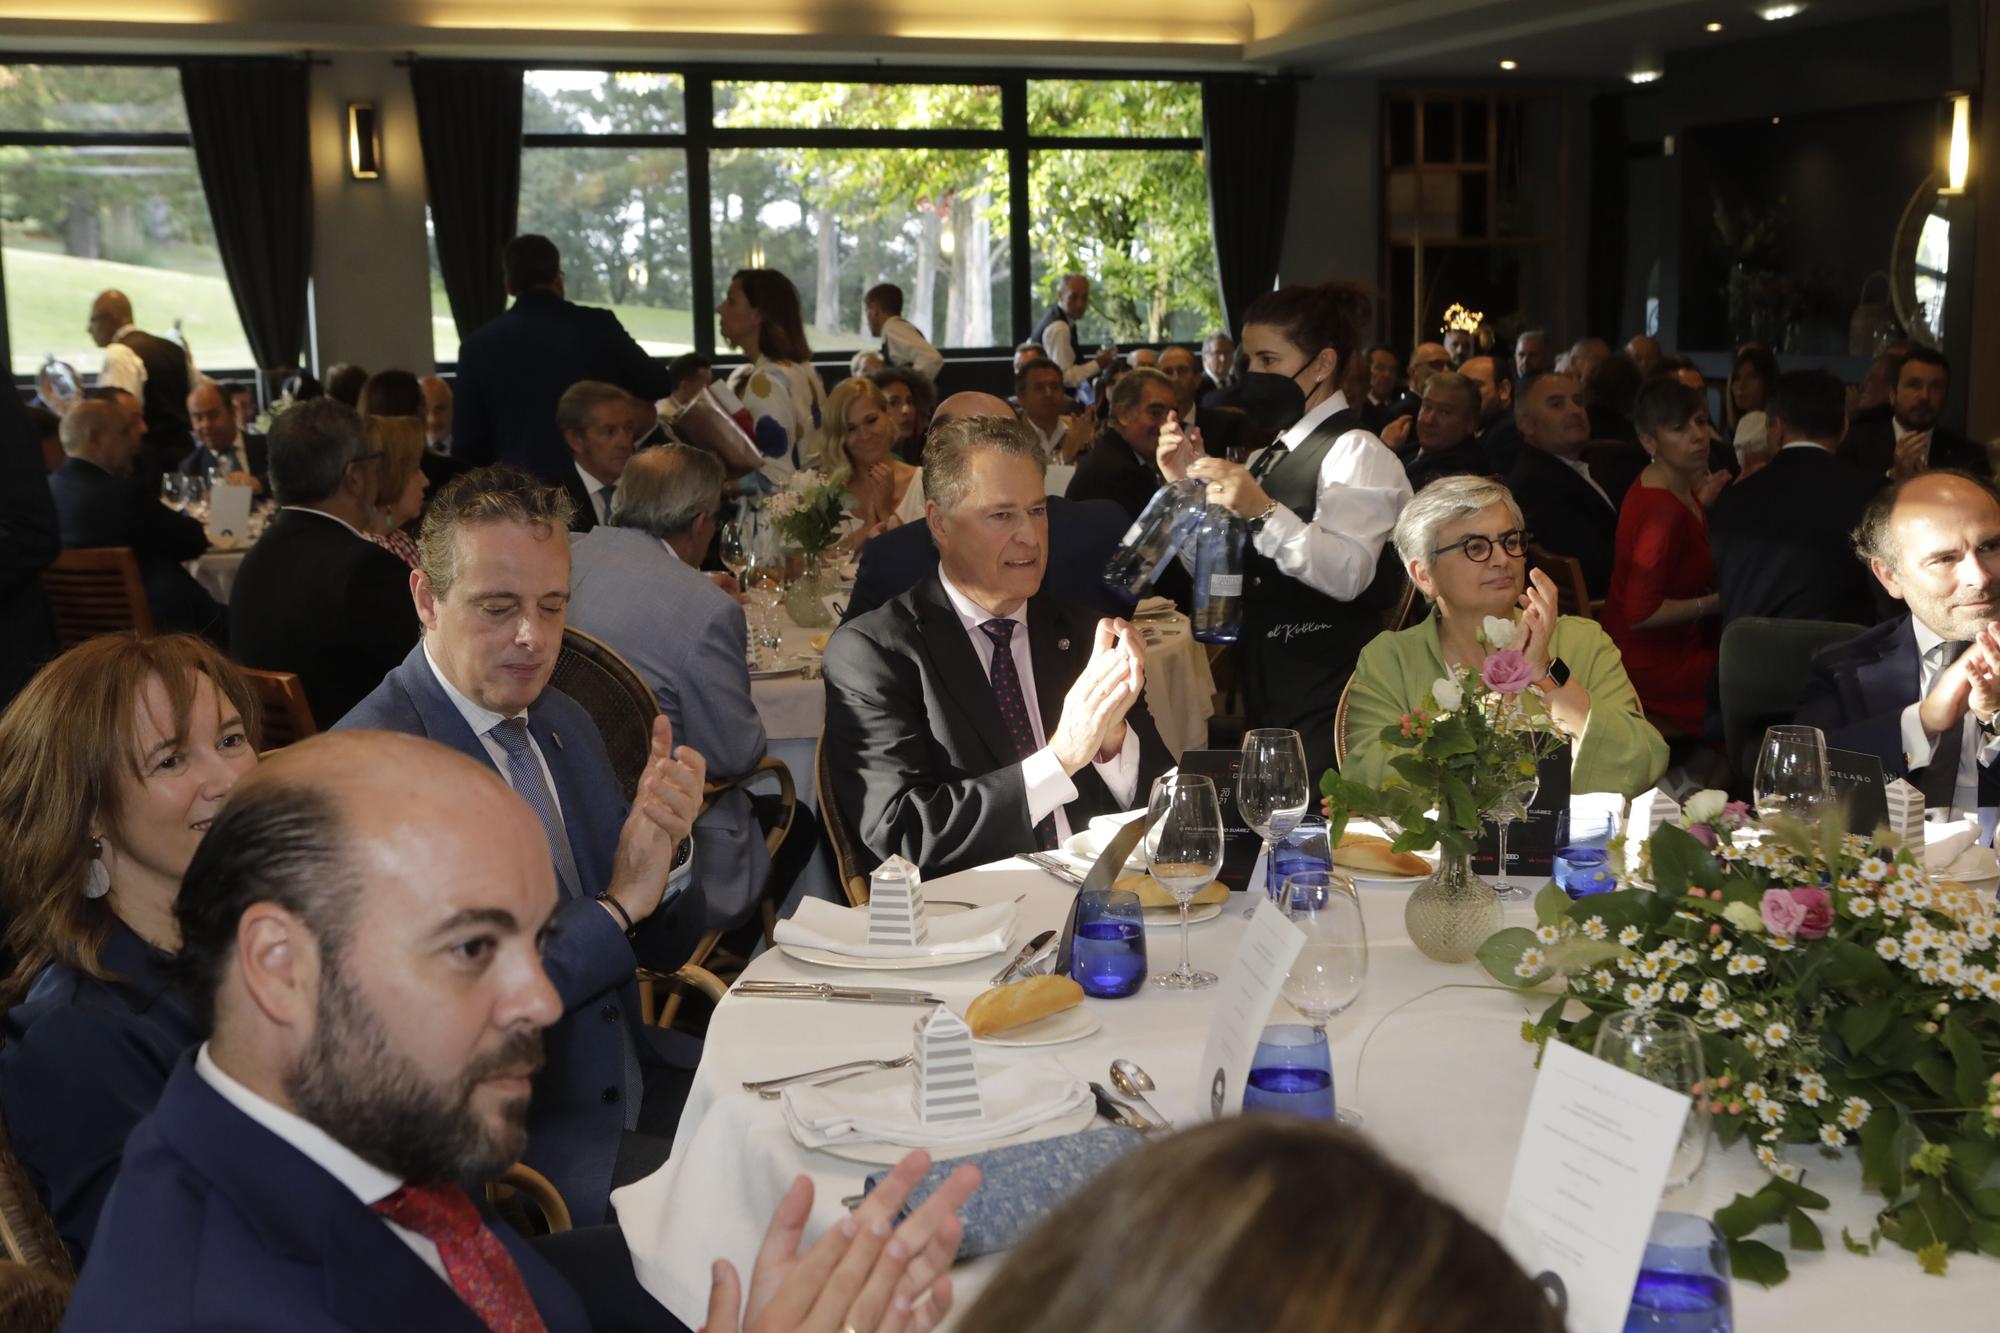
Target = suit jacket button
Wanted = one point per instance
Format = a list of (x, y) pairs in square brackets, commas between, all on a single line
[(611, 1013), (610, 1096)]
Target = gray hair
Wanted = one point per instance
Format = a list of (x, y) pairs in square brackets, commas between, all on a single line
[(1452, 381), (312, 445), (948, 454), (1125, 394), (579, 400), (1443, 501), (664, 490)]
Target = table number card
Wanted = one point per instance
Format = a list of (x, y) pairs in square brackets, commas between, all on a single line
[(1240, 843), (1588, 1176), (896, 904), (228, 514), (1855, 779), (1243, 1003), (1905, 807), (945, 1082)]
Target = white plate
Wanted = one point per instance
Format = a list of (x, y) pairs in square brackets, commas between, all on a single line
[(1975, 867), (1086, 846), (1070, 1025), (828, 958), (1383, 881), (774, 673), (888, 1154), (1162, 917)]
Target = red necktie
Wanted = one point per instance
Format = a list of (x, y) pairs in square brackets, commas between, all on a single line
[(1014, 710), (481, 1271)]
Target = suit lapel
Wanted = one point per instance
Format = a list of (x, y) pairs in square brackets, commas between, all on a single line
[(955, 663), (442, 721), (1895, 675), (1057, 653)]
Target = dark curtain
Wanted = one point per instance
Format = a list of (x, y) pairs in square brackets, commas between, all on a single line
[(1246, 139), (469, 122), (1610, 202), (247, 119)]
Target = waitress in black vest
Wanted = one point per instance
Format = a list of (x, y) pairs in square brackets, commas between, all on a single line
[(1320, 503)]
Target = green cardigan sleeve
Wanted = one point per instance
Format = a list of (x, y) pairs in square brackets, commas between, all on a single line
[(1619, 750), (1380, 692)]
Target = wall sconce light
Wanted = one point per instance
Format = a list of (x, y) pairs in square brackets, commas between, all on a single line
[(364, 142), (1958, 153)]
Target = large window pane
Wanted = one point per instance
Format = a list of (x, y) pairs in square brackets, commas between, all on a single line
[(1137, 108), (838, 222), (92, 98), (856, 106), (444, 331), (620, 218), (79, 220), (588, 101), (1135, 222)]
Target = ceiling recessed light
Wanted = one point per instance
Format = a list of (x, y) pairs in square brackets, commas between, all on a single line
[(1643, 76), (1772, 13), (1509, 64), (1713, 27), (1776, 119)]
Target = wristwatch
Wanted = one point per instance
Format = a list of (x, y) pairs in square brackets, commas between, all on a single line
[(1555, 678)]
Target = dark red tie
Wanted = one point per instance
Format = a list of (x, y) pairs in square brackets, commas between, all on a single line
[(1014, 711), (481, 1271)]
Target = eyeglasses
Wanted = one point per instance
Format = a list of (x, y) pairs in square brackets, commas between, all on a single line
[(365, 458), (1479, 549)]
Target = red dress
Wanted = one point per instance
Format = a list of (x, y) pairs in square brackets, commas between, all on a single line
[(1662, 554)]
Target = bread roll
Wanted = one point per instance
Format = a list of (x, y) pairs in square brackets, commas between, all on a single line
[(1019, 1003), (1154, 894), (1371, 855)]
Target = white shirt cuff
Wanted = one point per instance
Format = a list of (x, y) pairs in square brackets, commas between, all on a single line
[(1121, 771), (681, 877), (1048, 786), (1918, 746), (1282, 526)]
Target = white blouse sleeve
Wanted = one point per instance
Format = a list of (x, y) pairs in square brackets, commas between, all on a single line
[(1362, 489)]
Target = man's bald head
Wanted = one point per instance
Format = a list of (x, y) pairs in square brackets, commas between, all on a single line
[(110, 312), (1934, 543), (437, 408), (211, 416), (970, 403)]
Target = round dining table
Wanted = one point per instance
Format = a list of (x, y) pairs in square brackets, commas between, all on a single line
[(1431, 1055)]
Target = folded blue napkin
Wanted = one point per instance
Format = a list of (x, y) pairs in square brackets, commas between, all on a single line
[(1022, 1183)]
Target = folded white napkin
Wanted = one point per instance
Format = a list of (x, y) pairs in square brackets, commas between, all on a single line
[(844, 930), (1106, 826), (1946, 844), (1153, 606), (1016, 1099)]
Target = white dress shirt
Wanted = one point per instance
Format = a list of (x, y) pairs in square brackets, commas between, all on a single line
[(124, 370), (1049, 788), (368, 1182), (1057, 342), (308, 509), (905, 346), (1362, 488), (1052, 438), (1918, 746), (598, 491)]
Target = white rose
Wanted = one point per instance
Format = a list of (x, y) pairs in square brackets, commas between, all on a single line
[(1499, 634), (1705, 806), (1446, 694)]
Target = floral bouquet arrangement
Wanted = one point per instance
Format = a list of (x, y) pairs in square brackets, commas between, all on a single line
[(1457, 756), (1844, 1000), (811, 512)]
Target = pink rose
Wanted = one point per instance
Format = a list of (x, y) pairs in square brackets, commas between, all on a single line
[(1783, 914), (1818, 918), (1507, 671), (1702, 834), (1737, 812)]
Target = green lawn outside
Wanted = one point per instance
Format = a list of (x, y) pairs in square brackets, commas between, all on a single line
[(49, 296)]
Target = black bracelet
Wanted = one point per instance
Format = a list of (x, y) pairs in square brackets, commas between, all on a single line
[(618, 909)]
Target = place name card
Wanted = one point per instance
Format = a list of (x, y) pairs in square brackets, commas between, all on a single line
[(1243, 1002), (228, 514), (945, 1081), (1905, 805), (1531, 842), (896, 904), (1856, 780), (1588, 1175)]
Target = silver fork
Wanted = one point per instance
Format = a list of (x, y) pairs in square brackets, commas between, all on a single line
[(769, 1088)]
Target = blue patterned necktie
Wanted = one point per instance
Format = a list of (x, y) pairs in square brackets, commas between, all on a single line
[(524, 775), (1014, 711)]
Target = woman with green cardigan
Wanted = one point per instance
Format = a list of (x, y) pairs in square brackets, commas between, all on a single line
[(1462, 541)]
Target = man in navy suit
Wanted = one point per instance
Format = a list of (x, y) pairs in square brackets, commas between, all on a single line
[(491, 592), (512, 371), (219, 443), (1923, 691)]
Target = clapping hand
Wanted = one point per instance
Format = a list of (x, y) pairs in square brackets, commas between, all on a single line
[(1972, 681), (860, 1275), (1093, 712), (662, 814), (1711, 487), (1397, 433), (1913, 455), (1178, 448), (1538, 619)]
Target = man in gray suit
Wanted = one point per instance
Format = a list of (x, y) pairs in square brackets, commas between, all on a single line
[(636, 583)]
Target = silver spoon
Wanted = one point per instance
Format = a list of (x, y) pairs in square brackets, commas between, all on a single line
[(1135, 1083)]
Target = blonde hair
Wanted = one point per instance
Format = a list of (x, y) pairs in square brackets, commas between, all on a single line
[(1259, 1222), (400, 441), (830, 450), (62, 742)]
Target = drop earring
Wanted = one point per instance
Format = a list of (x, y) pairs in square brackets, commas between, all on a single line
[(97, 880)]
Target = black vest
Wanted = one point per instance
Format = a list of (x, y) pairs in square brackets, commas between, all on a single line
[(1055, 315), (1274, 597), (167, 386)]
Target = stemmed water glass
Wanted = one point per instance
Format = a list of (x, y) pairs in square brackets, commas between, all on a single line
[(1332, 964), (1273, 792), (1663, 1048), (1791, 773), (1513, 806), (1184, 852), (173, 493), (734, 547)]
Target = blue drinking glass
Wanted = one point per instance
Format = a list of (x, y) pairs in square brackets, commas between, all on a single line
[(1291, 1073), (1109, 958), (1683, 1282), (1583, 853), (1304, 849)]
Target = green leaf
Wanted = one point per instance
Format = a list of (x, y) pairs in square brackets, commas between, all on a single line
[(1748, 1212), (1450, 737), (1805, 1232), (1754, 1261), (1969, 1087), (1855, 969), (1857, 1247), (1986, 1236), (1551, 905), (1501, 954), (1678, 861), (1859, 1025)]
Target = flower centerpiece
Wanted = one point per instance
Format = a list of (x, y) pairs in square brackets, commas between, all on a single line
[(810, 513), (1845, 1001), (1458, 757)]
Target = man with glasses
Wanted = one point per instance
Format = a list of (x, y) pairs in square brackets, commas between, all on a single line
[(1566, 508), (315, 596)]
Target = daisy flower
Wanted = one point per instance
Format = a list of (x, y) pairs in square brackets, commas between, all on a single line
[(1770, 1111), (1546, 934), (1860, 907), (1754, 1093), (1777, 1034), (1629, 936), (1727, 1019), (1767, 1155), (1679, 992), (1712, 994), (1875, 870), (1854, 1112), (1595, 929), (1635, 995), (1889, 947)]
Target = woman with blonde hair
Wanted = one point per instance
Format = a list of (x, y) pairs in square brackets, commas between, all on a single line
[(857, 446), (400, 482), (113, 762), (1259, 1222)]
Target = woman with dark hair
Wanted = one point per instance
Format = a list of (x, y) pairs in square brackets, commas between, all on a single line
[(1320, 503), (1751, 376), (1662, 608), (778, 387), (113, 763), (392, 393)]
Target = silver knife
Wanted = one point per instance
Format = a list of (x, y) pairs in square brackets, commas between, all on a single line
[(1056, 866), (1028, 950), (811, 990)]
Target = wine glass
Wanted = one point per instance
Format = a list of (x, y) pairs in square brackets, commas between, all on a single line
[(173, 494), (1663, 1048), (1184, 852), (1791, 773), (1272, 791), (1513, 806), (1332, 964)]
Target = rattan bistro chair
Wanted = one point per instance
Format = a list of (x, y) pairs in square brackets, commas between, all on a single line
[(617, 699), (849, 857), (96, 590), (27, 1234)]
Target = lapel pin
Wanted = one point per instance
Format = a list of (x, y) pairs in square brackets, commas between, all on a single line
[(1062, 645), (556, 736)]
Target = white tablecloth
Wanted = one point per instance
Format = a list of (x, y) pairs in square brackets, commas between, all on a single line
[(216, 571), (1444, 1089)]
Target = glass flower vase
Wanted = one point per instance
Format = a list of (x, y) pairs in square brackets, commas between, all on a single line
[(805, 600), (1453, 912)]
